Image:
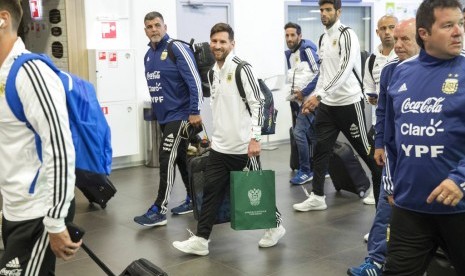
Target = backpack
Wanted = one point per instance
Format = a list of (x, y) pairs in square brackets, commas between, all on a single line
[(89, 128), (363, 57), (203, 57), (270, 112)]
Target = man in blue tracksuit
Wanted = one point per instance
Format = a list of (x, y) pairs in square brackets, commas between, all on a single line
[(428, 114), (176, 94), (405, 47), (302, 63)]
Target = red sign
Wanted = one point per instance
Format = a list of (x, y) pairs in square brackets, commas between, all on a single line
[(105, 110), (102, 55), (108, 30), (36, 9)]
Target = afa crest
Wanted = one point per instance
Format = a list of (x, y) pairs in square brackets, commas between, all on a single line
[(229, 77), (163, 55), (451, 84)]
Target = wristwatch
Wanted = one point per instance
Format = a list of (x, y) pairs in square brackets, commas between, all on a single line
[(257, 137), (318, 97)]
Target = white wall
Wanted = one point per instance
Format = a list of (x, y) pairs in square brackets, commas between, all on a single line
[(258, 27)]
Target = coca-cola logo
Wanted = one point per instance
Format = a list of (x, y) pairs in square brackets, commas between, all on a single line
[(153, 76), (430, 105)]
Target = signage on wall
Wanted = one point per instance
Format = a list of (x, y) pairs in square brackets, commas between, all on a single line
[(56, 31), (57, 49), (112, 59), (36, 9), (54, 16), (108, 29)]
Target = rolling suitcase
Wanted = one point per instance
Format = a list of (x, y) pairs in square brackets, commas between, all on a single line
[(97, 188), (196, 168), (140, 267), (346, 171)]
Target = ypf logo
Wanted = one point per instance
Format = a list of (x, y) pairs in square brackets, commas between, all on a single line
[(254, 196)]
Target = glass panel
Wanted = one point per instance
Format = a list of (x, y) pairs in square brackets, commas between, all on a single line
[(356, 17)]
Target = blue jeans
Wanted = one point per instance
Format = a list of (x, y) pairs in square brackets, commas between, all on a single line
[(376, 246), (305, 138)]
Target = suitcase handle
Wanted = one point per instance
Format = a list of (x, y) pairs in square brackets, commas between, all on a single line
[(97, 260)]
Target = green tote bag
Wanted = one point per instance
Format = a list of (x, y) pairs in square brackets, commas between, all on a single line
[(253, 200)]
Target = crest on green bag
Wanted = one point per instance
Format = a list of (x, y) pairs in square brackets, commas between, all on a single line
[(254, 196)]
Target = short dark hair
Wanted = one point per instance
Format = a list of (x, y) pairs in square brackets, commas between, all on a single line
[(153, 15), (222, 27), (336, 3), (293, 25), (15, 9), (425, 15)]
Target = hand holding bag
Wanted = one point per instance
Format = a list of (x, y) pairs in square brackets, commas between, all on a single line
[(253, 200)]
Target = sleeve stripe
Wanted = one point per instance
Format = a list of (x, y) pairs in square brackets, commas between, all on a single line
[(193, 70), (59, 157), (345, 62), (256, 91), (311, 59)]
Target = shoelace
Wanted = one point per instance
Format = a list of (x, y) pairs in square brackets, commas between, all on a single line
[(305, 191), (190, 233)]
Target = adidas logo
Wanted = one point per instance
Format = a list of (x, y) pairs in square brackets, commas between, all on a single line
[(148, 59), (462, 185), (402, 88), (13, 263), (170, 136)]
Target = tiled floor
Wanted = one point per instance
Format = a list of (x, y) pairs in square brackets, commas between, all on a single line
[(316, 243)]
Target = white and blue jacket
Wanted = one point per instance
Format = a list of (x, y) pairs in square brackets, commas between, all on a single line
[(303, 66), (174, 86), (428, 100)]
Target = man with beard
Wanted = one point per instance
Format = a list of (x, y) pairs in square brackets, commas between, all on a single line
[(176, 94), (235, 139), (302, 74), (338, 97)]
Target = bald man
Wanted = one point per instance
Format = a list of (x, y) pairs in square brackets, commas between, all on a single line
[(383, 53)]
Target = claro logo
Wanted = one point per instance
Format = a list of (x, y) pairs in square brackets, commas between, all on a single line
[(430, 105)]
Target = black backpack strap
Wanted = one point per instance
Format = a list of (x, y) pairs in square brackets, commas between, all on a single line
[(319, 40), (240, 87), (371, 64), (360, 81), (169, 48)]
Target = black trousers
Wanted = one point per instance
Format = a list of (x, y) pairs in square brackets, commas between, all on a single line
[(350, 120), (173, 151), (27, 247), (414, 238), (217, 178)]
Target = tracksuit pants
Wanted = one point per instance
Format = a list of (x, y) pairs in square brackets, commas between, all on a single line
[(217, 178), (27, 247), (350, 120), (414, 238), (173, 151)]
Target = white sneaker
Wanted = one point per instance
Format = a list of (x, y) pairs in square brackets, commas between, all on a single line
[(370, 198), (365, 238), (272, 236), (313, 202), (194, 245)]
